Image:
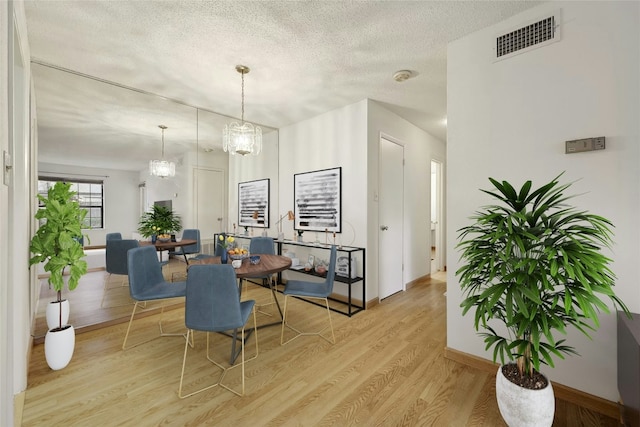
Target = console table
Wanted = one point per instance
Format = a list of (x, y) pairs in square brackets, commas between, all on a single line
[(350, 255)]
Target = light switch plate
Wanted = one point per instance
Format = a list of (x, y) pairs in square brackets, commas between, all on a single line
[(586, 144)]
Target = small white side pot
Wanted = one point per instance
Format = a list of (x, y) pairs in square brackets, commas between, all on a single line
[(59, 346), (52, 313), (521, 407)]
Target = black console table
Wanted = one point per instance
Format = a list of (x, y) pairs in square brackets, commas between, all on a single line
[(345, 271)]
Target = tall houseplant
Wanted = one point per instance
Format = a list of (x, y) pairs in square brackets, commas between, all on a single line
[(159, 221), (532, 265), (57, 244)]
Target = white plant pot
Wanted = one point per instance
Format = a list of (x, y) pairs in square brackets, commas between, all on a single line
[(52, 313), (59, 346), (521, 407)]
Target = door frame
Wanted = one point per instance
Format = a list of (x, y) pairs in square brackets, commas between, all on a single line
[(439, 233)]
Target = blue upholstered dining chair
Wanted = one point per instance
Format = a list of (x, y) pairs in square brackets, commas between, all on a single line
[(189, 234), (113, 236), (311, 290), (116, 261), (260, 246), (146, 283), (213, 305)]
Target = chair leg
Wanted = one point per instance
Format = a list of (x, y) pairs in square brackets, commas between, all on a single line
[(106, 288), (224, 370), (300, 333), (162, 333)]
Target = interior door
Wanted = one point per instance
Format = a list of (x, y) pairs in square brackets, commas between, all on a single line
[(210, 196), (390, 215)]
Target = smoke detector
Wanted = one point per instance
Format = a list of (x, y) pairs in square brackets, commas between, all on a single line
[(402, 75)]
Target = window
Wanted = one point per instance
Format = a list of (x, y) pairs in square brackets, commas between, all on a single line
[(90, 196)]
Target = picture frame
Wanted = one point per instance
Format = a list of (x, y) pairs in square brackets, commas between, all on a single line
[(253, 203), (318, 200)]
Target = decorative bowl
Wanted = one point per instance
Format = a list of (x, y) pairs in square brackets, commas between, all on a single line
[(238, 256), (254, 259)]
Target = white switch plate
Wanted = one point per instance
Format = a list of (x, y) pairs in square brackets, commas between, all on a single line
[(586, 144)]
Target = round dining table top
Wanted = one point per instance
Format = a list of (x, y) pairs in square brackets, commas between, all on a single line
[(269, 264)]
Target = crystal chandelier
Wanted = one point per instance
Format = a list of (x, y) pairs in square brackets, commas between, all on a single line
[(162, 168), (243, 138)]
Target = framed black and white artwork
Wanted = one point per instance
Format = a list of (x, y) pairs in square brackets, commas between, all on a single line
[(253, 203), (318, 200)]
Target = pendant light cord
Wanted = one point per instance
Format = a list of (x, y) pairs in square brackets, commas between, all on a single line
[(242, 114)]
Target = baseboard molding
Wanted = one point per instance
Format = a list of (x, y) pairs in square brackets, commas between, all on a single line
[(18, 408), (372, 303), (563, 392)]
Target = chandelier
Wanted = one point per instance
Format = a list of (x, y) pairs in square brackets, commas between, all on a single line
[(243, 138), (162, 168)]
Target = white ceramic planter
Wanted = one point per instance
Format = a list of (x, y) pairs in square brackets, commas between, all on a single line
[(59, 346), (521, 407), (52, 313)]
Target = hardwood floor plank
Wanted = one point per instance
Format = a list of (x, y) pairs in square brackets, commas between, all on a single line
[(387, 368)]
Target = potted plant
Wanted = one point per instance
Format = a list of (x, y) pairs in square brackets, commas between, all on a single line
[(57, 244), (159, 222), (532, 265)]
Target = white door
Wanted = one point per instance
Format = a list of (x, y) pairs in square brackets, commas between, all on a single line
[(210, 201), (390, 216)]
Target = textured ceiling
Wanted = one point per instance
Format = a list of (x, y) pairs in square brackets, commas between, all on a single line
[(306, 58)]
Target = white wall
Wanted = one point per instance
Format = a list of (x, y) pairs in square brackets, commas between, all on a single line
[(419, 148), (350, 137), (337, 138), (510, 119), (15, 207), (251, 168), (121, 212)]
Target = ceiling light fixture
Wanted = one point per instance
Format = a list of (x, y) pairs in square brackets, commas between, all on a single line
[(243, 138), (402, 75), (162, 168)]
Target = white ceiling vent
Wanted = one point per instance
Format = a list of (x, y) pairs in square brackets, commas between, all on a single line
[(532, 36)]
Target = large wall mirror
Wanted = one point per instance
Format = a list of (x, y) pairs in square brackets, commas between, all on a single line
[(98, 130)]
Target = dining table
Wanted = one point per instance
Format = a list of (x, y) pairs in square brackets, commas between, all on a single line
[(268, 264), (166, 246)]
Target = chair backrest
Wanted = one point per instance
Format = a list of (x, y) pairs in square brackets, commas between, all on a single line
[(113, 236), (212, 299), (144, 271), (116, 255), (262, 245), (191, 234), (331, 271)]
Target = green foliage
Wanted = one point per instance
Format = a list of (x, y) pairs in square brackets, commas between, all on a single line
[(159, 220), (57, 240), (534, 264)]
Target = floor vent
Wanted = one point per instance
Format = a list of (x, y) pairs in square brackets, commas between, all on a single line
[(532, 36)]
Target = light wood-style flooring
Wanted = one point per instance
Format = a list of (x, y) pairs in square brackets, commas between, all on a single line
[(386, 369), (88, 308)]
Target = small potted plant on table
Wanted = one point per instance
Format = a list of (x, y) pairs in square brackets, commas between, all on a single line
[(533, 266), (160, 222)]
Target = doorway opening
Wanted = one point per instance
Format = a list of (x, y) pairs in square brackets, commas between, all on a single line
[(436, 234)]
